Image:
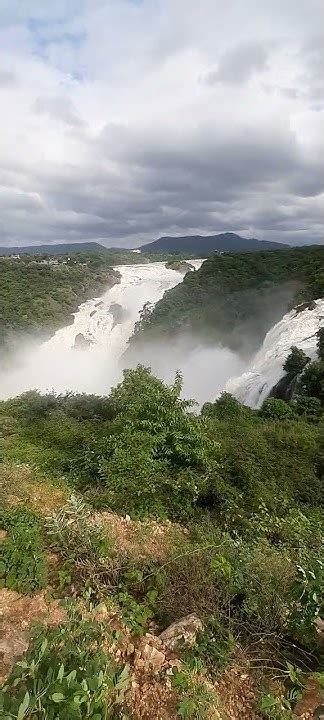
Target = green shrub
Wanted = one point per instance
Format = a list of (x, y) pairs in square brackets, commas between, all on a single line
[(225, 407), (195, 698), (83, 544), (213, 649), (307, 406), (276, 409), (23, 566), (66, 675), (312, 381), (72, 532), (307, 602)]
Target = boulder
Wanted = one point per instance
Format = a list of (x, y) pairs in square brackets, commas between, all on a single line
[(81, 342), (181, 632), (153, 659)]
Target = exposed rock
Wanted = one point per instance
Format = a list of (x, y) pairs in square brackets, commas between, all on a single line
[(180, 266), (3, 535), (182, 631), (311, 702), (118, 313), (153, 658), (285, 388), (81, 342), (13, 645), (310, 305), (17, 614)]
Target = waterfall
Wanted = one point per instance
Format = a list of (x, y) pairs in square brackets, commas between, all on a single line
[(84, 356), (298, 327)]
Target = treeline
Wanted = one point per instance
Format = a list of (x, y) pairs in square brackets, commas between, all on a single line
[(236, 298)]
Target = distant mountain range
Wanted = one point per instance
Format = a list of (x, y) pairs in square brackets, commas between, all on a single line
[(59, 249), (207, 244), (199, 245)]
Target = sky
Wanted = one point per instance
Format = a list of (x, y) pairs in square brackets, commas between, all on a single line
[(125, 120)]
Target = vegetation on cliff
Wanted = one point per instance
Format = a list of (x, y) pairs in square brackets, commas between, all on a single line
[(39, 295), (236, 298)]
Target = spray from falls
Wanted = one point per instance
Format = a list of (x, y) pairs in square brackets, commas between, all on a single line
[(85, 356), (298, 327)]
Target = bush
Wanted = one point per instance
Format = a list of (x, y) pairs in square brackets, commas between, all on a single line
[(83, 544), (244, 586), (145, 404), (226, 407), (276, 409), (23, 566), (312, 381), (67, 675), (71, 531), (307, 602), (307, 406)]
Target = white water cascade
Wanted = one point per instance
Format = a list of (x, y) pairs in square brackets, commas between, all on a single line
[(58, 365), (296, 328)]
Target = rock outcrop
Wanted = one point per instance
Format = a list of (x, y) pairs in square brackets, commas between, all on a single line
[(181, 632)]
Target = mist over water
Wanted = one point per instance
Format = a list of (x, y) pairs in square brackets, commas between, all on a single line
[(266, 369), (89, 355), (105, 325)]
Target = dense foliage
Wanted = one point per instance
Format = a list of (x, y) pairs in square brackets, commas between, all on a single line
[(67, 675), (236, 298), (23, 566), (248, 486), (39, 294)]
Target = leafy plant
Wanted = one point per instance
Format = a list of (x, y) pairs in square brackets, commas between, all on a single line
[(137, 614), (23, 565), (66, 675), (308, 603), (195, 698), (71, 531), (275, 708), (276, 409)]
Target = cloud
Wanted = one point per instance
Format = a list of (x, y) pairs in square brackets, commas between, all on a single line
[(237, 65), (109, 134), (59, 108), (7, 78)]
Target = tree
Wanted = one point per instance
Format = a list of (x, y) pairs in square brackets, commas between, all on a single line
[(296, 361), (312, 380)]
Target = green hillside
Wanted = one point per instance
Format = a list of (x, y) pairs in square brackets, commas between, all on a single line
[(236, 298), (38, 296)]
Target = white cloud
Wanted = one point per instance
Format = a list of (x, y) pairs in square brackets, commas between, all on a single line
[(109, 130)]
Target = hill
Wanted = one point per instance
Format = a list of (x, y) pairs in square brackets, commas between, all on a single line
[(58, 249), (39, 296), (235, 298), (201, 245)]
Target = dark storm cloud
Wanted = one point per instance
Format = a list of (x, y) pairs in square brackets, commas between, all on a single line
[(108, 134)]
